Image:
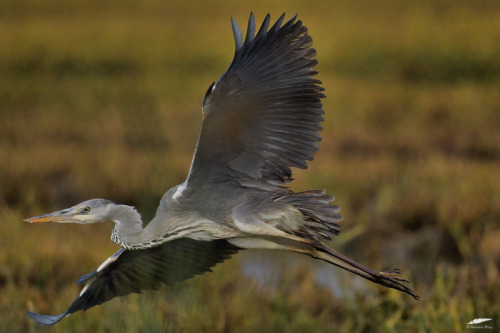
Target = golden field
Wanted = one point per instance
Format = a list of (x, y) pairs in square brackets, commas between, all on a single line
[(102, 99)]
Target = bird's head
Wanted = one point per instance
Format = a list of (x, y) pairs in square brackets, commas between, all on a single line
[(90, 211)]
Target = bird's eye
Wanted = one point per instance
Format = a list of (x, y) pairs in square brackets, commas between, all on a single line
[(86, 209)]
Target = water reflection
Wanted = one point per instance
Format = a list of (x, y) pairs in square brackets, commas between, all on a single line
[(269, 269)]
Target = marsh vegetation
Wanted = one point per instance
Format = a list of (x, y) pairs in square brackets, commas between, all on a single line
[(103, 99)]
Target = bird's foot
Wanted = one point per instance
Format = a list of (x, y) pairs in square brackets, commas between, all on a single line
[(395, 273), (393, 279)]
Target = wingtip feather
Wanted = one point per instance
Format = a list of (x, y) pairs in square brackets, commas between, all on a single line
[(264, 26), (278, 24), (46, 319), (251, 29), (238, 38)]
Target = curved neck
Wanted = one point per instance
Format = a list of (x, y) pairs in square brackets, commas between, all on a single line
[(128, 228)]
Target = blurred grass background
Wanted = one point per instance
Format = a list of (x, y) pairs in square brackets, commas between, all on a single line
[(103, 99)]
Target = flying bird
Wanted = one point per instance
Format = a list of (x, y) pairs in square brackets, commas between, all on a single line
[(260, 119)]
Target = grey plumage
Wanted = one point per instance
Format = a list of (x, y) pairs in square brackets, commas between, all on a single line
[(260, 119), (268, 104)]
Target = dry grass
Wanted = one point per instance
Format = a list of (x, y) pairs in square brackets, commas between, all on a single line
[(102, 99)]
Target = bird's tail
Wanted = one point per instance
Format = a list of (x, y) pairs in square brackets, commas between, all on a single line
[(320, 217)]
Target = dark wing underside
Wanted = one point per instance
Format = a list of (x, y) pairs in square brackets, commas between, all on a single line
[(263, 115), (131, 271)]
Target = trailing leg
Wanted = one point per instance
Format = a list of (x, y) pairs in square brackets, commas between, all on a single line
[(389, 279)]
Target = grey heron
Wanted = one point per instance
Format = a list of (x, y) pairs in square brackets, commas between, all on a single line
[(260, 119)]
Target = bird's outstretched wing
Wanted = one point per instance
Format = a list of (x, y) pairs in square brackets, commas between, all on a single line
[(131, 271), (263, 115)]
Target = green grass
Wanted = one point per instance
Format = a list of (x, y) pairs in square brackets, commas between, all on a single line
[(103, 99)]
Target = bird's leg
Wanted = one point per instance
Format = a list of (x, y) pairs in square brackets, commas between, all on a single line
[(389, 279), (394, 272), (320, 251)]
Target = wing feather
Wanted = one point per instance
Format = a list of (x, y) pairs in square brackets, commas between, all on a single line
[(250, 29), (132, 271), (262, 117), (238, 38)]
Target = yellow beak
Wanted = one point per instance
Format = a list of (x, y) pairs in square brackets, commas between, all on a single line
[(58, 216)]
